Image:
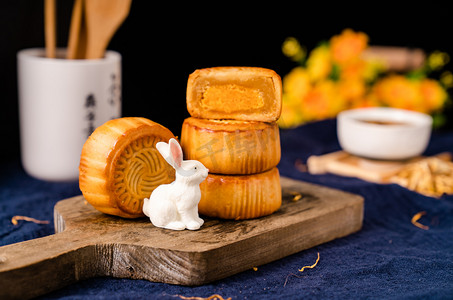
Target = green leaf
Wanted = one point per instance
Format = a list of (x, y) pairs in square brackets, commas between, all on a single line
[(335, 72)]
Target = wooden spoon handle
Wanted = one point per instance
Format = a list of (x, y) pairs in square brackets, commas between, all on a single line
[(50, 28)]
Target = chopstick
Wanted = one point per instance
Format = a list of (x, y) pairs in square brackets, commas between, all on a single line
[(75, 32), (50, 27)]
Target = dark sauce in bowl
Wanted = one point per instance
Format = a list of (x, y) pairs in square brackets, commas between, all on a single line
[(382, 122)]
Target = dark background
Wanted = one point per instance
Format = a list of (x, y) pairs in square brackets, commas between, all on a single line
[(162, 43)]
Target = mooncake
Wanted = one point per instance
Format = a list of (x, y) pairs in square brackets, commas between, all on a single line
[(120, 165), (240, 197), (237, 93), (230, 146)]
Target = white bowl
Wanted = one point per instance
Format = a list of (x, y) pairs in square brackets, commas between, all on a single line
[(404, 134)]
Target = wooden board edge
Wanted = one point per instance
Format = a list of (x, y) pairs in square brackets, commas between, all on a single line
[(288, 241)]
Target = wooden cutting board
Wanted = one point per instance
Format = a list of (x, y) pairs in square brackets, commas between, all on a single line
[(88, 243), (345, 164)]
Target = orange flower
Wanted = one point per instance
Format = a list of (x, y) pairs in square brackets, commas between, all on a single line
[(352, 90), (322, 101), (433, 94), (355, 69), (291, 115), (347, 46), (296, 84), (399, 92), (369, 100)]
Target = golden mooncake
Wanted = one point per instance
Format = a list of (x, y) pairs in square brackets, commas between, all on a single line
[(120, 165), (230, 146), (237, 93), (240, 197)]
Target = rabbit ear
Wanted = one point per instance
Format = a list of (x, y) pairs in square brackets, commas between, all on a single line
[(175, 153), (164, 150)]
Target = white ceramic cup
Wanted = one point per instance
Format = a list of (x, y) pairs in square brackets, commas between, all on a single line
[(405, 135), (61, 102)]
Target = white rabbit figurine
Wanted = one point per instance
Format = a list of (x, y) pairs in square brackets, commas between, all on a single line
[(175, 205)]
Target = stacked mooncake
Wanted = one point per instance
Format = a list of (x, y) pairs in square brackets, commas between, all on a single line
[(233, 132)]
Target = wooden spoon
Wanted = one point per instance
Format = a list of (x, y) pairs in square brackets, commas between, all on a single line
[(50, 28), (103, 18)]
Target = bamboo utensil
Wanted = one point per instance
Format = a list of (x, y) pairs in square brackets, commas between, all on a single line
[(50, 27), (77, 36), (103, 18)]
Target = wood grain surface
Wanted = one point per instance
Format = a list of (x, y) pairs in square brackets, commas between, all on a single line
[(89, 243), (345, 164)]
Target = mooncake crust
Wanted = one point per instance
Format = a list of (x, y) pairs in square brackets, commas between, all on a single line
[(240, 197), (230, 146), (120, 166)]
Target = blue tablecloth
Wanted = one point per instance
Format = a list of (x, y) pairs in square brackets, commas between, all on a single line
[(389, 258)]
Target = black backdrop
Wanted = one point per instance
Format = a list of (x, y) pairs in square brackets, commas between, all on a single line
[(162, 43)]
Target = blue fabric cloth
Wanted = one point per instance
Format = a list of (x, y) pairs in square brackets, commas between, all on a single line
[(389, 258)]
